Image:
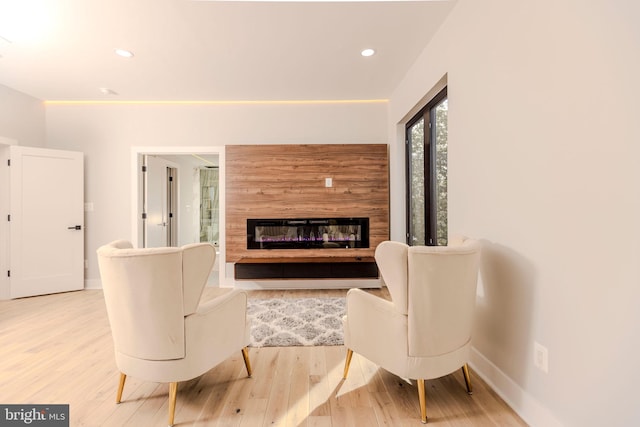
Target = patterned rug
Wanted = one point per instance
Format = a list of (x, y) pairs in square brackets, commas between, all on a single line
[(285, 322)]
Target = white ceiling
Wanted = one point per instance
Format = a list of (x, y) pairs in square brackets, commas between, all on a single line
[(211, 50)]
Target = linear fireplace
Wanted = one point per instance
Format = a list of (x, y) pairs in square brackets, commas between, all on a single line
[(308, 233)]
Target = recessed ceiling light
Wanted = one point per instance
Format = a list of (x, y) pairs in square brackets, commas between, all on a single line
[(124, 53), (107, 91), (367, 52)]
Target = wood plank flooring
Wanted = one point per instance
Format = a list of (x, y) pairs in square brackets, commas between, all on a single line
[(58, 349)]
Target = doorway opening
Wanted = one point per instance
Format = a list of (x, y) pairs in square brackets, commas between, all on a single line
[(160, 207), (187, 191)]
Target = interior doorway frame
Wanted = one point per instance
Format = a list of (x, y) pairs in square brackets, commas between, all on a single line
[(136, 189), (170, 203)]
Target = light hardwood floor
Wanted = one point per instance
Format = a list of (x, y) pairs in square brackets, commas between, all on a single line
[(58, 349)]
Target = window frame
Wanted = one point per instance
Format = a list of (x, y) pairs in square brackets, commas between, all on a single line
[(428, 113)]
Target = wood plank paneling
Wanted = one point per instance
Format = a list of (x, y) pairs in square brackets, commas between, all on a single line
[(288, 181)]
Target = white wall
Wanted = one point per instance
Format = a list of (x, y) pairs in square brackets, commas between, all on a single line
[(543, 165), (106, 133), (22, 118)]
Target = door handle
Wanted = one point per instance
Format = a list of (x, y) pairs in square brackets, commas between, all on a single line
[(75, 227)]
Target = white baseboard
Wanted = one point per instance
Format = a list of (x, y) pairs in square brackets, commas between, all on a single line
[(525, 405)]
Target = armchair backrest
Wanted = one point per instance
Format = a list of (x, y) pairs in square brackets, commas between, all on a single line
[(391, 258), (441, 296), (197, 262), (147, 295)]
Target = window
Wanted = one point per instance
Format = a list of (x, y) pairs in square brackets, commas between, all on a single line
[(426, 139)]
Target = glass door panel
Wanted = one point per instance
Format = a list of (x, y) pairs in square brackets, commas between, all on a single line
[(440, 112), (417, 214)]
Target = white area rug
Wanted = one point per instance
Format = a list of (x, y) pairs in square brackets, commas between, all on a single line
[(285, 322)]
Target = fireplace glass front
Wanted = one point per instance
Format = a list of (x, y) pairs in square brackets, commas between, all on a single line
[(308, 233)]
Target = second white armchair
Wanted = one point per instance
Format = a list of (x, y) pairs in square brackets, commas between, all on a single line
[(424, 332)]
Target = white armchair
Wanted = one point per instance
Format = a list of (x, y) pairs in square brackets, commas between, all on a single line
[(160, 331), (424, 332)]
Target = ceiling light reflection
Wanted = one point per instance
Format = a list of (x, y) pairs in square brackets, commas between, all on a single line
[(124, 53)]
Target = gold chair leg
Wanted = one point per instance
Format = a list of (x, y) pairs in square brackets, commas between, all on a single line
[(347, 362), (247, 363), (123, 377), (467, 378), (423, 401), (173, 392)]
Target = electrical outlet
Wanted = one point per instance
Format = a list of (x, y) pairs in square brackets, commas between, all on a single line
[(328, 182), (541, 357)]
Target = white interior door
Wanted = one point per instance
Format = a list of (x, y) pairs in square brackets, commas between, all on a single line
[(156, 203), (47, 221)]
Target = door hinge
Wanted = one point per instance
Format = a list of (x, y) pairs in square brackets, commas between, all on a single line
[(170, 214), (8, 217), (8, 162), (8, 273), (144, 168), (144, 215), (170, 179)]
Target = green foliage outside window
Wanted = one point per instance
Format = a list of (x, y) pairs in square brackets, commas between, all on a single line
[(441, 171)]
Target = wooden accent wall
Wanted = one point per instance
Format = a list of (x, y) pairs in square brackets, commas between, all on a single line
[(288, 181)]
